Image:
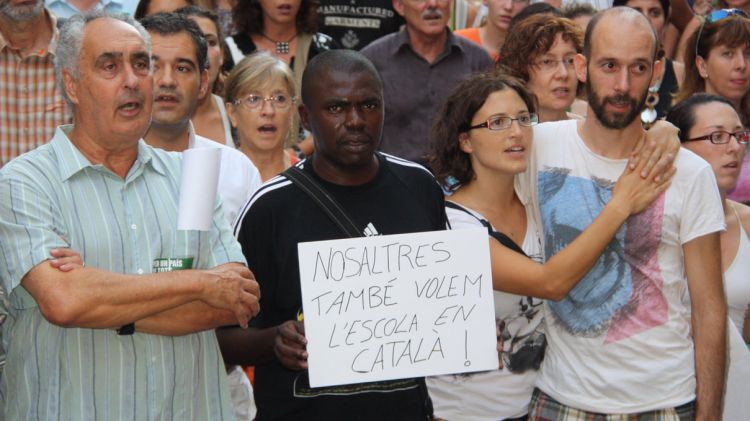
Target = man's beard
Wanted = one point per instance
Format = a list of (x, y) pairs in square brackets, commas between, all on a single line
[(21, 13), (614, 121)]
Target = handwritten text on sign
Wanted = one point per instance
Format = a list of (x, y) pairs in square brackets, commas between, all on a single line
[(398, 306)]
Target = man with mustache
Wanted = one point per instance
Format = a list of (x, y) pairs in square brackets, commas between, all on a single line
[(627, 341), (342, 105), (180, 78), (420, 65), (129, 335), (32, 106)]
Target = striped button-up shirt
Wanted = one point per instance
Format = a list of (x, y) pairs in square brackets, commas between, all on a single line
[(31, 106), (54, 197)]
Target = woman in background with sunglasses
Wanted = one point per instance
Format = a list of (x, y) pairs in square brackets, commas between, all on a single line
[(717, 61), (480, 144), (710, 127), (259, 94)]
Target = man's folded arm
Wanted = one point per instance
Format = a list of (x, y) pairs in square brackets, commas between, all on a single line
[(93, 298)]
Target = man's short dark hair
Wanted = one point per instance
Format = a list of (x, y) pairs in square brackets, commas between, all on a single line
[(173, 24), (587, 39), (340, 61)]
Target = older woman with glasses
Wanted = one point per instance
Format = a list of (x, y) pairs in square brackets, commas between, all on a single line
[(259, 94), (479, 146), (710, 126), (540, 52)]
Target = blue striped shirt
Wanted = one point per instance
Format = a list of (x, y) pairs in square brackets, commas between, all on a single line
[(54, 197)]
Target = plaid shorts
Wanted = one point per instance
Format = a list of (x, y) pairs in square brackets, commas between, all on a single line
[(544, 408)]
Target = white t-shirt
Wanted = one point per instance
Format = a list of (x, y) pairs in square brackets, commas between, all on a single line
[(497, 394), (620, 341), (238, 177)]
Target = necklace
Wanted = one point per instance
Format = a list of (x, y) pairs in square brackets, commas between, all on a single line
[(282, 47)]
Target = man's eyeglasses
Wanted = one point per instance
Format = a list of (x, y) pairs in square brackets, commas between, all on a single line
[(254, 102), (550, 65), (721, 137), (716, 16), (502, 122)]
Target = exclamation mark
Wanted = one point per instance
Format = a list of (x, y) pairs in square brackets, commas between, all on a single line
[(467, 363)]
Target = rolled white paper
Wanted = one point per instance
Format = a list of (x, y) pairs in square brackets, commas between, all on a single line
[(200, 176)]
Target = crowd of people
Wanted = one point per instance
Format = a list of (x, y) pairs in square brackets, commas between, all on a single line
[(599, 144)]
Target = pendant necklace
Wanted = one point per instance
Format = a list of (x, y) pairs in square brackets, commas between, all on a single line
[(282, 47)]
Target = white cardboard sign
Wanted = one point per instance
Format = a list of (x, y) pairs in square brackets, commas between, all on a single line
[(398, 306)]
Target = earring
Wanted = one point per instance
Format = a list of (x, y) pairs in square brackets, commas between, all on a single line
[(649, 114)]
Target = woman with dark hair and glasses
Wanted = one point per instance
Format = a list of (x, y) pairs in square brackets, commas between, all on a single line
[(480, 144), (539, 51), (710, 126)]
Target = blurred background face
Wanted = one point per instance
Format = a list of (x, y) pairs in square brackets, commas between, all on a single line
[(653, 11), (157, 6), (505, 150), (281, 12), (215, 53), (552, 76), (21, 10), (502, 11), (425, 17), (726, 159), (265, 127), (726, 71)]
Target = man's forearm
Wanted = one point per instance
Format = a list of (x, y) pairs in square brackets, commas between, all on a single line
[(246, 346), (187, 318), (95, 298)]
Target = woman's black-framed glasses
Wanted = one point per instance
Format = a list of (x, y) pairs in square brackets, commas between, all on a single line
[(721, 137), (502, 122), (716, 16)]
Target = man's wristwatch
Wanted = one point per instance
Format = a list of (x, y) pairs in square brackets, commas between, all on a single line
[(127, 329)]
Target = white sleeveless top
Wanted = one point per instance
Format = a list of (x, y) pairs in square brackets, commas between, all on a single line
[(737, 279)]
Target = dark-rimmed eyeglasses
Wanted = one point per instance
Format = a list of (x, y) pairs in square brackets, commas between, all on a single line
[(502, 122), (721, 137), (254, 102), (716, 16)]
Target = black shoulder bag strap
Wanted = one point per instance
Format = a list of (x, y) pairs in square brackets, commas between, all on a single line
[(337, 214), (497, 235), (327, 203)]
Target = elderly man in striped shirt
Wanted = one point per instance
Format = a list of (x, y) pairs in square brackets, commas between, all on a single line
[(133, 338)]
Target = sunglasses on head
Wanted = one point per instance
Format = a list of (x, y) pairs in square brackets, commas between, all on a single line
[(716, 16)]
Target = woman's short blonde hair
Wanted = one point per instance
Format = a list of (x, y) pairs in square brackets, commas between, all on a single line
[(254, 72)]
